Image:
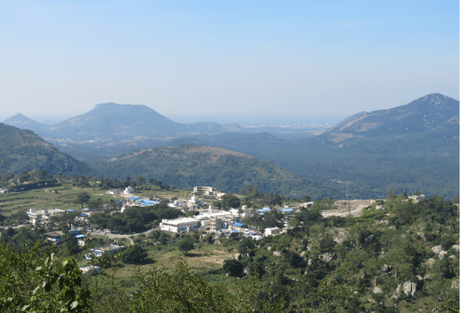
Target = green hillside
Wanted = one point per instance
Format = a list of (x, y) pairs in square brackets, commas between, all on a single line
[(185, 166), (23, 150)]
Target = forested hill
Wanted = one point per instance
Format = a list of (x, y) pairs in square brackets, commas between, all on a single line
[(185, 166), (23, 150)]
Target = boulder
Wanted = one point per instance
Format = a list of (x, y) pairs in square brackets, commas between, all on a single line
[(456, 247), (436, 249), (430, 262), (276, 253), (410, 288), (311, 262), (326, 257), (269, 248), (303, 254), (385, 268), (377, 289), (238, 256), (442, 254)]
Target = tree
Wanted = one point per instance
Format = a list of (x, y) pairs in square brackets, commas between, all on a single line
[(233, 267), (140, 180), (186, 245), (272, 199), (134, 254), (229, 200), (82, 198), (416, 193)]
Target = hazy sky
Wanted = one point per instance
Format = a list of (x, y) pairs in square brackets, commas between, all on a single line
[(204, 58)]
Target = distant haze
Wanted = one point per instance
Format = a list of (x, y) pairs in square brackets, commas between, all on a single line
[(216, 58)]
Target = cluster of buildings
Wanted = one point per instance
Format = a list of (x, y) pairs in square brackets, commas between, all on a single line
[(43, 216)]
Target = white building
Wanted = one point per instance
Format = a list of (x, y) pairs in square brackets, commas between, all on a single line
[(179, 225), (3, 190), (417, 198), (98, 252), (42, 216), (272, 231), (203, 190), (112, 192), (128, 190)]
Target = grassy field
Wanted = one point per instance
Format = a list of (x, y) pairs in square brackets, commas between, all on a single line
[(61, 197)]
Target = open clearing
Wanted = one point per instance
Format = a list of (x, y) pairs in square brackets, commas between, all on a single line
[(356, 208)]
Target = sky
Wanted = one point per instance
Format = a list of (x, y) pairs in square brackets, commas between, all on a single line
[(224, 60)]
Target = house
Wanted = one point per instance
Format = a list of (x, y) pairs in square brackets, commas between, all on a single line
[(306, 204), (128, 190), (54, 237), (112, 192), (417, 198), (264, 210), (42, 216), (286, 210), (272, 231), (100, 251), (209, 191), (90, 269), (80, 239), (3, 190), (180, 225)]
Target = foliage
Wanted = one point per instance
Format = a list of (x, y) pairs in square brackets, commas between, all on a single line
[(186, 244), (229, 200), (82, 198), (33, 281), (134, 254)]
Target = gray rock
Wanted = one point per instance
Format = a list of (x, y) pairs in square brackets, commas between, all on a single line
[(311, 262), (456, 247), (410, 288), (269, 248), (276, 253), (430, 262), (436, 249), (303, 253), (238, 256), (326, 257), (385, 268), (377, 289)]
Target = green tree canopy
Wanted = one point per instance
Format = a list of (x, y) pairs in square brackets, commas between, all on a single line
[(134, 254)]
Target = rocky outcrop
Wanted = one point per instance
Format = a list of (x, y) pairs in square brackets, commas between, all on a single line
[(238, 256), (430, 262), (438, 250), (409, 288), (276, 253), (326, 257), (377, 289)]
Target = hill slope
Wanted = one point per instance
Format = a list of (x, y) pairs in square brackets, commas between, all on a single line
[(23, 150), (185, 166), (111, 122)]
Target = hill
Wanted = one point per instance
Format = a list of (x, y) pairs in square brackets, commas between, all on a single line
[(185, 166), (432, 113), (114, 123), (23, 150)]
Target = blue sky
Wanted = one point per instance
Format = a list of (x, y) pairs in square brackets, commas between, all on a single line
[(225, 58)]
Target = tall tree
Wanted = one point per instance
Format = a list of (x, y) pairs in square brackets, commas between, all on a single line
[(82, 198)]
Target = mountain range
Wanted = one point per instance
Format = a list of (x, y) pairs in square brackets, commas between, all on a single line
[(405, 148)]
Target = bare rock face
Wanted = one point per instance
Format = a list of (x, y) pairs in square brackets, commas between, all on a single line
[(430, 262), (377, 289), (238, 256), (385, 268), (436, 249), (410, 288), (269, 248), (311, 262), (456, 247), (326, 257), (276, 253)]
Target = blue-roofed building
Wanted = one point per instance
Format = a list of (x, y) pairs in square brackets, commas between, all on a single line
[(69, 210), (238, 224), (286, 210)]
